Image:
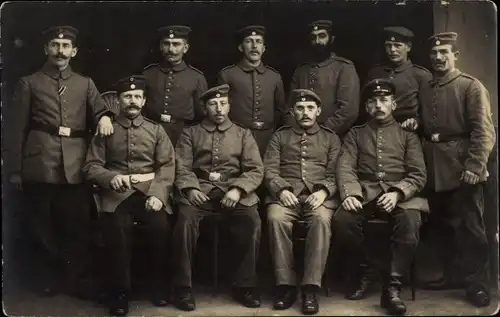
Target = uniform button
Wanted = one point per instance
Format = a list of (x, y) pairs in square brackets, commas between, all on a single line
[(303, 153), (257, 86), (380, 165), (166, 97), (166, 103), (216, 150), (379, 156), (380, 151), (168, 89), (170, 84), (303, 159), (257, 102), (215, 164), (304, 147), (216, 157), (257, 109)]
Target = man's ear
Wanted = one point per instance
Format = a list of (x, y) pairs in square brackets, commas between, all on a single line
[(74, 51), (332, 38), (409, 46), (240, 48), (186, 48), (46, 49), (393, 105), (318, 111), (456, 54)]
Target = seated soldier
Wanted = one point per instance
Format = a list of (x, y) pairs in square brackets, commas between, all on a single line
[(379, 171), (300, 166), (218, 168), (135, 169)]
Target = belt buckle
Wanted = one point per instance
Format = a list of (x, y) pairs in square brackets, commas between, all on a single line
[(64, 131), (380, 175), (435, 137), (134, 179), (258, 124), (214, 176), (165, 118)]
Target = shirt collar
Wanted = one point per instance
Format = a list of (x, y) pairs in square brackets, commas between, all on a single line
[(327, 61), (210, 126), (53, 72), (446, 78), (299, 130), (377, 124), (246, 67), (126, 122), (165, 67), (399, 68)]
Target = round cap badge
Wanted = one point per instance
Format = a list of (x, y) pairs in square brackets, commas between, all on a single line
[(393, 38), (303, 99), (132, 86), (315, 27), (438, 42), (253, 33), (378, 87), (171, 35), (60, 35), (217, 95)]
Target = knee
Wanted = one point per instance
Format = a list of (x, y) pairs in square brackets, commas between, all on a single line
[(408, 226), (321, 217), (275, 215), (344, 221), (187, 216)]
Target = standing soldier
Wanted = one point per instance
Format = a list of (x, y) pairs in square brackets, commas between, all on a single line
[(407, 77), (135, 169), (380, 169), (218, 169), (300, 175), (173, 87), (332, 78), (55, 109), (257, 95), (459, 137)]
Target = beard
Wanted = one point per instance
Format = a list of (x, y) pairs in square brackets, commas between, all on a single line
[(320, 52)]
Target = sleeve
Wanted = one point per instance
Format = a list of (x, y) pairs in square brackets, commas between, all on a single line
[(201, 87), (482, 136), (272, 179), (184, 175), (221, 78), (161, 186), (94, 169), (347, 100), (19, 125), (279, 102), (97, 105), (251, 166), (330, 181), (416, 174), (347, 177)]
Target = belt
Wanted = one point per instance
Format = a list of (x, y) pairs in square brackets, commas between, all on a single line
[(167, 118), (438, 137), (212, 176), (381, 176), (255, 125), (139, 178), (59, 131)]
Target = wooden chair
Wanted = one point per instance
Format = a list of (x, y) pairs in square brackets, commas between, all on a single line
[(111, 100)]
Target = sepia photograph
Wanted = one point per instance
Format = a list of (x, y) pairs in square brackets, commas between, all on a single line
[(249, 158)]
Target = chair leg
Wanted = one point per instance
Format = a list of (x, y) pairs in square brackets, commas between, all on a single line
[(215, 260), (412, 277)]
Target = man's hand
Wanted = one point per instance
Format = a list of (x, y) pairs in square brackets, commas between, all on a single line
[(120, 183), (469, 177), (388, 201), (288, 199), (105, 126), (316, 199), (351, 203), (153, 204), (231, 198), (410, 124), (17, 181), (196, 197)]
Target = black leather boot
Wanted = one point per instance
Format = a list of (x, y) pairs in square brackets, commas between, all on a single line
[(390, 299), (310, 305), (119, 304), (184, 299), (361, 285)]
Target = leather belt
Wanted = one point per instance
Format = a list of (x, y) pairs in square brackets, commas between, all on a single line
[(255, 125), (59, 131), (140, 178), (438, 137), (167, 118), (212, 176), (381, 176)]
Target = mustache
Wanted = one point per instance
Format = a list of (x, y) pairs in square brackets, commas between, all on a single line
[(59, 55)]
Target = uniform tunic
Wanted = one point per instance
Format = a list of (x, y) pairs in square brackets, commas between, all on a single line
[(336, 82)]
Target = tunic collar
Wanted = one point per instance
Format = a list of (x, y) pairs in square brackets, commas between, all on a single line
[(165, 67), (210, 126), (127, 123), (299, 130), (446, 78), (387, 122), (399, 68), (327, 61), (246, 67), (54, 72)]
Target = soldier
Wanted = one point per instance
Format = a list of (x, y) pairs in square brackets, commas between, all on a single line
[(135, 169), (407, 77), (256, 93), (55, 109), (379, 171), (459, 137), (300, 175), (218, 170), (173, 87), (332, 78)]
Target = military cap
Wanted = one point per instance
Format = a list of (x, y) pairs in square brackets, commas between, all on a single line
[(443, 38), (304, 95), (215, 92), (174, 31), (130, 83), (321, 25), (250, 30), (60, 32), (397, 34), (379, 87)]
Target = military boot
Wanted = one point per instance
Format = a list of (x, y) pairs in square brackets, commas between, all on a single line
[(390, 297)]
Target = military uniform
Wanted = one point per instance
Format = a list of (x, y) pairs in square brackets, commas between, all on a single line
[(459, 135), (213, 159), (303, 162), (54, 114), (139, 148), (377, 158), (408, 78), (257, 96), (173, 91)]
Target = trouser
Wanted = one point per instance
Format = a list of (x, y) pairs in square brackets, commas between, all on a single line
[(60, 218), (280, 224), (458, 217), (117, 238), (245, 229), (405, 224)]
